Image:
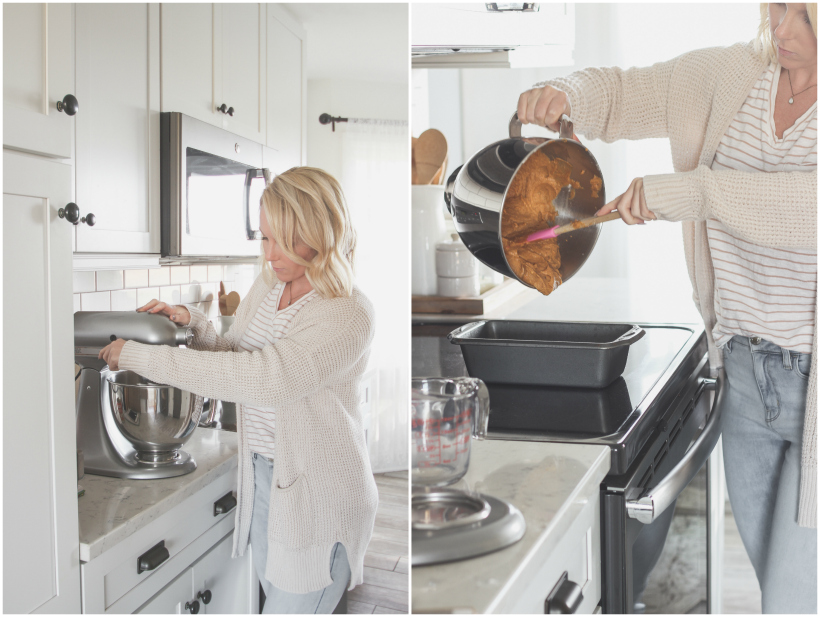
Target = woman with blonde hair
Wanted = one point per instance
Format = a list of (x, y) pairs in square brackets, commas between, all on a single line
[(292, 360), (742, 125)]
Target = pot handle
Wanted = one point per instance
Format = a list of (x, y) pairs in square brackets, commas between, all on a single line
[(449, 187), (565, 131)]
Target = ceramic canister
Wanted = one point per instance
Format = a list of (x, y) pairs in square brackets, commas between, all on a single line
[(428, 210)]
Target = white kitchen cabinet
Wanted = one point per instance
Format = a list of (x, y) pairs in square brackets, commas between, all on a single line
[(41, 570), (38, 71), (117, 134), (286, 91), (199, 545), (214, 54)]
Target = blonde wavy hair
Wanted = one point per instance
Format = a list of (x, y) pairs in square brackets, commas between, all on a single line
[(307, 204), (764, 32)]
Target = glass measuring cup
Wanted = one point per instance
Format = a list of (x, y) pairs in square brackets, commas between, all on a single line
[(447, 412)]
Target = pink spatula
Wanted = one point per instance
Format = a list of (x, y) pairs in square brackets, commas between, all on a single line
[(553, 232)]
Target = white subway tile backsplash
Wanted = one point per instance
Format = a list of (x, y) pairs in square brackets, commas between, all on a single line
[(124, 300), (109, 279), (199, 274), (77, 303), (136, 278), (215, 274), (159, 277), (97, 301), (190, 293), (84, 282), (180, 275), (146, 294), (209, 292), (170, 294)]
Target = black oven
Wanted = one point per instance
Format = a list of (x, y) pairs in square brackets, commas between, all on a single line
[(658, 421)]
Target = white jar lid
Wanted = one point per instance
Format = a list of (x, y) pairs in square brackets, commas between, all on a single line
[(454, 244)]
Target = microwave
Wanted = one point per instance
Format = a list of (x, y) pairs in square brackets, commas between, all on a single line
[(211, 182)]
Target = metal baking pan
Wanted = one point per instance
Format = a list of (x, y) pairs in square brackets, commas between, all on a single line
[(546, 353)]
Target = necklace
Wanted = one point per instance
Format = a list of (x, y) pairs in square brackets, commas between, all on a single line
[(789, 75), (290, 295)]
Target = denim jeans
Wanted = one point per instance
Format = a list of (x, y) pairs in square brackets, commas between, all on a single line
[(763, 412), (277, 600)]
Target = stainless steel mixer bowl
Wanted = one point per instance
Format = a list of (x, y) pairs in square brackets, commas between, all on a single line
[(156, 419)]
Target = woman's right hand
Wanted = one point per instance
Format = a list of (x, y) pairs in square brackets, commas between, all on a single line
[(178, 314), (543, 106)]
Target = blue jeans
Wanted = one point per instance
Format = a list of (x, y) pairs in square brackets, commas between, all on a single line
[(763, 415), (277, 600)]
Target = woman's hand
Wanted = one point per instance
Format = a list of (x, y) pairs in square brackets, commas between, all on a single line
[(111, 354), (543, 106), (631, 205), (178, 314)]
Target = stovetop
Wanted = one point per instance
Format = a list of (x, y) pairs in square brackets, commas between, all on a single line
[(622, 415)]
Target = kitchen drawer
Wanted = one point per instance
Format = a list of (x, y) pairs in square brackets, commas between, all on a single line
[(108, 578), (578, 553)]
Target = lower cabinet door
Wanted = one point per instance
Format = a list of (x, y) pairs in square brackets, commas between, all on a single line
[(172, 598), (232, 584)]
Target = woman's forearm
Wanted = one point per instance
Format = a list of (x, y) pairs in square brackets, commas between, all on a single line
[(776, 209)]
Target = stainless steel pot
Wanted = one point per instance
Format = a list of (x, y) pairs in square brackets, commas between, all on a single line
[(476, 192)]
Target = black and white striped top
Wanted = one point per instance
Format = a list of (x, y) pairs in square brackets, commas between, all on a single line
[(267, 326), (763, 291)]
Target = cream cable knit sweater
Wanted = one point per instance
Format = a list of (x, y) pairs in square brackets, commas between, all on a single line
[(323, 488), (691, 100)]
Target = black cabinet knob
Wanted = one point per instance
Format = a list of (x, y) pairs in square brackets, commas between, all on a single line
[(71, 213), (205, 596), (69, 104), (225, 109), (192, 607)]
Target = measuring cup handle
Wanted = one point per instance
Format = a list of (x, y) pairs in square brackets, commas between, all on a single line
[(565, 130), (481, 415)]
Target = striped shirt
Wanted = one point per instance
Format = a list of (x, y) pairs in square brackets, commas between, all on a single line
[(763, 291), (267, 326)]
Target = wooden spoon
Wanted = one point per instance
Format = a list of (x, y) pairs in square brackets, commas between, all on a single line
[(430, 152), (222, 298), (552, 232), (231, 302)]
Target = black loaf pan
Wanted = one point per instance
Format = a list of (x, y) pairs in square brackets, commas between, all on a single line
[(546, 353)]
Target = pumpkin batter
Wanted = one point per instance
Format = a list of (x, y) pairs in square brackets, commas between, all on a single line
[(527, 209)]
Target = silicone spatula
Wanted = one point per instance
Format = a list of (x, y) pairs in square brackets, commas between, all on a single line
[(553, 232)]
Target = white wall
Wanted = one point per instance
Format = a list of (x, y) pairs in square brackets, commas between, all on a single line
[(379, 203), (616, 34)]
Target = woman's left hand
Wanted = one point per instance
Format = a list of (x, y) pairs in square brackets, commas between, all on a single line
[(631, 205), (111, 354)]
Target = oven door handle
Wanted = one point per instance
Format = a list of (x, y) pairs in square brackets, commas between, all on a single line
[(651, 505)]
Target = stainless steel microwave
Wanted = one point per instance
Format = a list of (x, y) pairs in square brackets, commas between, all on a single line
[(211, 183)]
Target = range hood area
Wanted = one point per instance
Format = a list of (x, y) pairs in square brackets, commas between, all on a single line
[(492, 35)]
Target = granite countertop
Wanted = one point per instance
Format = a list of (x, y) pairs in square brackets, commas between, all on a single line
[(113, 509), (549, 483)]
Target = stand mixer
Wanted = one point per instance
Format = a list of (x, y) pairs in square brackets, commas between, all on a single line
[(127, 426)]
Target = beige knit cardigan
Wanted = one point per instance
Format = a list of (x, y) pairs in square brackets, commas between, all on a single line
[(323, 488), (691, 100)]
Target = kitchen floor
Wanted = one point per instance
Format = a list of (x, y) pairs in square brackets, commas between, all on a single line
[(386, 563), (741, 593)]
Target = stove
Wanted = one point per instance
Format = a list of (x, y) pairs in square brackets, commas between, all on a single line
[(623, 415), (656, 420)]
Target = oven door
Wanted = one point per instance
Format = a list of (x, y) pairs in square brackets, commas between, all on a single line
[(212, 181), (656, 556)]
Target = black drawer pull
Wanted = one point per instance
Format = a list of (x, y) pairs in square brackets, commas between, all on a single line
[(565, 597), (192, 607), (152, 558), (224, 504)]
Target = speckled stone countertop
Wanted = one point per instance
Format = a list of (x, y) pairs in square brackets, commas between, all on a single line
[(114, 508), (548, 482)]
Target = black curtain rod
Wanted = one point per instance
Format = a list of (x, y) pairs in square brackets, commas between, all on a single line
[(328, 119)]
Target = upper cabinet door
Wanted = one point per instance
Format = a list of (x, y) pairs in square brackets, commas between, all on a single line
[(285, 89), (243, 69), (191, 68), (38, 71), (117, 139)]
